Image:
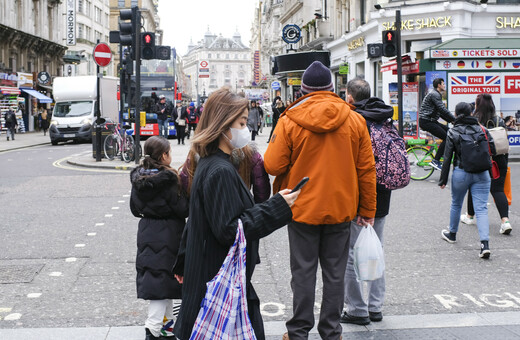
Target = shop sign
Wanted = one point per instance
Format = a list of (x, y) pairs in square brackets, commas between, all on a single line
[(419, 24), (294, 81), (71, 23), (25, 79), (482, 64), (507, 22), (275, 85), (357, 43), (487, 53), (44, 78), (291, 33), (344, 68), (8, 79)]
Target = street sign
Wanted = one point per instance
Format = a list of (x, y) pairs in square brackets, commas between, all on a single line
[(275, 85), (291, 33), (204, 64), (102, 54), (343, 68)]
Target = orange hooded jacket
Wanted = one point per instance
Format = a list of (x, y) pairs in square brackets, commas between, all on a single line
[(320, 137)]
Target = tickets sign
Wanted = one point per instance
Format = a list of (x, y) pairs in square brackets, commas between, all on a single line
[(487, 53)]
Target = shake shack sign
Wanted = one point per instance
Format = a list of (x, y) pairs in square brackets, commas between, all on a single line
[(71, 23)]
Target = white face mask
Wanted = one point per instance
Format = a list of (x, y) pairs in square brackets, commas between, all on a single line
[(239, 137)]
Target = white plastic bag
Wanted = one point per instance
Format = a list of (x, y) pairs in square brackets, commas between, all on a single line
[(369, 260)]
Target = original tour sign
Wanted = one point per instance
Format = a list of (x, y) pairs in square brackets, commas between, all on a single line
[(71, 23)]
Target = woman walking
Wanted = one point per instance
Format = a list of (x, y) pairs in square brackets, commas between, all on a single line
[(464, 178), (157, 199), (486, 115), (218, 200), (254, 119), (278, 109)]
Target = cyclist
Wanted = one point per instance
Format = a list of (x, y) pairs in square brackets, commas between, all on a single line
[(432, 108)]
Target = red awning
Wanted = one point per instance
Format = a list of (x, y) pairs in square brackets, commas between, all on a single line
[(409, 66), (9, 90)]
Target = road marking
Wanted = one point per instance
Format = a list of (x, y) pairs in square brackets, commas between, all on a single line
[(79, 245), (504, 300), (5, 309), (91, 234), (12, 317), (115, 208), (34, 295), (108, 215), (126, 195), (120, 201), (56, 274), (58, 164), (100, 224), (70, 259)]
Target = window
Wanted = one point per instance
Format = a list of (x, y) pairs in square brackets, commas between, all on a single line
[(121, 3), (88, 34), (98, 35), (227, 55), (80, 31), (209, 55), (134, 3), (98, 14), (236, 56), (80, 6), (218, 55)]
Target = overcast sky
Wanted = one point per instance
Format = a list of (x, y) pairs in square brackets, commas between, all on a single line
[(185, 19)]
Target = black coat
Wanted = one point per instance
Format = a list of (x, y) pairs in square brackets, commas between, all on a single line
[(375, 110), (218, 199), (155, 198), (432, 108)]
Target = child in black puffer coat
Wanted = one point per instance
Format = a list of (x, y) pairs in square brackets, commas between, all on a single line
[(162, 206)]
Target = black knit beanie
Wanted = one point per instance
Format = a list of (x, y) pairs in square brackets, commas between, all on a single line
[(316, 78)]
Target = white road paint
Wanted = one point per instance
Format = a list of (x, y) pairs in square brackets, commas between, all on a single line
[(120, 201), (108, 215), (5, 309), (71, 259), (13, 317), (56, 274), (34, 295), (91, 234), (115, 208), (126, 195), (79, 245), (503, 300), (100, 224)]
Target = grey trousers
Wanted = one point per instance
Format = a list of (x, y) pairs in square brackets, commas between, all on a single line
[(356, 305), (308, 244)]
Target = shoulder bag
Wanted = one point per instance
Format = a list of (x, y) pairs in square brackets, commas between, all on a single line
[(499, 135), (495, 171)]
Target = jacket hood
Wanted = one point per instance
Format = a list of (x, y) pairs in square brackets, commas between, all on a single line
[(319, 112), (466, 120), (151, 179), (374, 109)]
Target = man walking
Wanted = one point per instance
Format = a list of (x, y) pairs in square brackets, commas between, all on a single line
[(180, 122), (358, 311), (163, 114), (193, 118), (432, 108), (10, 123), (320, 137)]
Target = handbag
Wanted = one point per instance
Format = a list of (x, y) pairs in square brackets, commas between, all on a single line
[(495, 171), (223, 312), (507, 186), (500, 138)]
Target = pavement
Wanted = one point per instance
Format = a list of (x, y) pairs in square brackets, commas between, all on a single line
[(498, 325)]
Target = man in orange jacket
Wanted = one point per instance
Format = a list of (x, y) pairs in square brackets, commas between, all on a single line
[(319, 137)]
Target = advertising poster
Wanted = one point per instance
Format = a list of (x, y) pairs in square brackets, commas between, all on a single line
[(503, 87), (410, 106)]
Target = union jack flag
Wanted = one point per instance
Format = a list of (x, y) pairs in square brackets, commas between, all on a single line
[(459, 80), (492, 80)]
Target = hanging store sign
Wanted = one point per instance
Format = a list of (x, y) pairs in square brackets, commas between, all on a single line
[(344, 68), (71, 23), (419, 24), (294, 81), (357, 43), (482, 64), (291, 34), (488, 53)]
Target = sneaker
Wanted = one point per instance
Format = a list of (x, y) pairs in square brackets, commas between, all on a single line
[(464, 218), (357, 320), (437, 165), (505, 228), (484, 250), (375, 316), (448, 236)]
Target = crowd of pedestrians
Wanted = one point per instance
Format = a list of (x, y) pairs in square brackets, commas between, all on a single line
[(224, 190)]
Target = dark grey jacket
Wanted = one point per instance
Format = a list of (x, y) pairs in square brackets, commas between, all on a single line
[(432, 108)]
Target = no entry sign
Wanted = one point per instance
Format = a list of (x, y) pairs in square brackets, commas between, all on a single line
[(102, 54)]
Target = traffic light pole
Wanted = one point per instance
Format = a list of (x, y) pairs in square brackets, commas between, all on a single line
[(98, 116), (399, 72), (137, 155)]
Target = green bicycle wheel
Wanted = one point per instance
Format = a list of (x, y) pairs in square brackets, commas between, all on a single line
[(420, 162), (111, 147)]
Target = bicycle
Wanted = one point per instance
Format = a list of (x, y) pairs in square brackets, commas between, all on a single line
[(120, 143), (420, 155)]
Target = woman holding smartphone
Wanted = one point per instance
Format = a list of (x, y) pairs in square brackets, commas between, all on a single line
[(219, 198)]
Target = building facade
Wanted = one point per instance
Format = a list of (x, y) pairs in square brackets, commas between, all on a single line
[(216, 61)]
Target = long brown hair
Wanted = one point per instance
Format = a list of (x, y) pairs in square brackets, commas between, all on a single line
[(154, 148), (222, 108), (484, 108)]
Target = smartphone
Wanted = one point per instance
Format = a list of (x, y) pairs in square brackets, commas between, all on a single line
[(300, 184)]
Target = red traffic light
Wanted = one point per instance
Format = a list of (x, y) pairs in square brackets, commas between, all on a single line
[(147, 38), (389, 36)]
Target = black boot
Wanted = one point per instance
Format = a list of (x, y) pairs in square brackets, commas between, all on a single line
[(484, 250)]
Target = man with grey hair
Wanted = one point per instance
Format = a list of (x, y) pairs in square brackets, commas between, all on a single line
[(358, 311)]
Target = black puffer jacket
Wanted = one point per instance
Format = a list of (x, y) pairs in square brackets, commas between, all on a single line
[(463, 125), (155, 198), (432, 108), (374, 109)]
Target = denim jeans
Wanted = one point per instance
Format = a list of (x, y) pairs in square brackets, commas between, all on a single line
[(479, 183), (163, 124)]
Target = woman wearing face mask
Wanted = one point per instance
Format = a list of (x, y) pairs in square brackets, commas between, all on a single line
[(218, 199)]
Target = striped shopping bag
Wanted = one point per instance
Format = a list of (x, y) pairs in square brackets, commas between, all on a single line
[(223, 313)]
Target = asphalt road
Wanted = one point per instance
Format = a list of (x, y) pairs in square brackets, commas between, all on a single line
[(67, 254)]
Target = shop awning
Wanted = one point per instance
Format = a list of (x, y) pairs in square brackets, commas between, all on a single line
[(41, 97), (9, 90)]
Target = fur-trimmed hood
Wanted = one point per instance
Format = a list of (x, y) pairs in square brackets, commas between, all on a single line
[(151, 179)]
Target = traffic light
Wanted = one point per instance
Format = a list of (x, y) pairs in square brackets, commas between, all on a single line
[(163, 52), (148, 45), (374, 50), (128, 29), (389, 43)]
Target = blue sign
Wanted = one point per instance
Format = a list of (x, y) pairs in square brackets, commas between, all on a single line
[(291, 34), (514, 138), (275, 85)]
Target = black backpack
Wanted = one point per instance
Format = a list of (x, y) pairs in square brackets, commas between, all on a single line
[(10, 118), (474, 151), (192, 116)]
